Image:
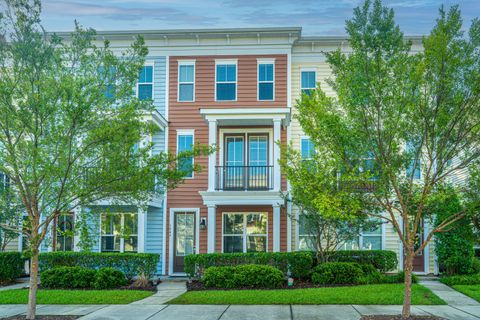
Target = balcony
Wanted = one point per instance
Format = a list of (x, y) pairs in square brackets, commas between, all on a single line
[(244, 178)]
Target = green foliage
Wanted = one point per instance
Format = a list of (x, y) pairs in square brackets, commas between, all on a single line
[(109, 278), (299, 264), (382, 260), (400, 278), (454, 248), (131, 264), (461, 279), (337, 273), (68, 278), (12, 266), (243, 276)]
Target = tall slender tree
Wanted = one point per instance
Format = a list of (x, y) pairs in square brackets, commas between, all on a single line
[(407, 119), (72, 131)]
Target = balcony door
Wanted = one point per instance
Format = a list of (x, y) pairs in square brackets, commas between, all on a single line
[(234, 172)]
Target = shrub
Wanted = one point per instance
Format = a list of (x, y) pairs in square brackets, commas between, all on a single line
[(370, 275), (461, 279), (109, 278), (251, 276), (337, 273), (399, 278), (299, 264), (12, 266), (475, 266), (68, 278), (131, 264), (382, 260)]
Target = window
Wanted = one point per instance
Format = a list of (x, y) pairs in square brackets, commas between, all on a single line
[(108, 79), (309, 83), (414, 166), (184, 144), (265, 81), (4, 182), (145, 83), (368, 240), (119, 232), (64, 232), (245, 232), (186, 81), (307, 149), (226, 86), (306, 239)]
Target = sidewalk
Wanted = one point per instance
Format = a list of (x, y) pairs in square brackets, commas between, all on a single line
[(449, 295)]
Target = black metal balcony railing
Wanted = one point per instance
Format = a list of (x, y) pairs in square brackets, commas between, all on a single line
[(244, 177)]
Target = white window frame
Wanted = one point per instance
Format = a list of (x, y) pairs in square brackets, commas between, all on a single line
[(244, 233), (227, 62), (185, 132), (122, 226), (307, 70), (301, 141), (148, 64), (186, 63), (265, 61), (419, 167), (303, 234), (361, 236)]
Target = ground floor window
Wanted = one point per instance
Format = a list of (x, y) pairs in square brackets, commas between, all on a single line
[(370, 239), (306, 238), (119, 232), (245, 232), (63, 232)]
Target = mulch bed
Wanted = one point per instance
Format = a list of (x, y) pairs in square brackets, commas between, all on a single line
[(195, 285), (23, 317), (150, 287), (399, 317)]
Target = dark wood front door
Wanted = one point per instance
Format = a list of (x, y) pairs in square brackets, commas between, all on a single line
[(419, 260), (184, 238)]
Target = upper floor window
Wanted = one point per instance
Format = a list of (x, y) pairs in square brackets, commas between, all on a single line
[(226, 81), (413, 168), (307, 149), (266, 81), (186, 81), (309, 81), (185, 144), (145, 83), (107, 76)]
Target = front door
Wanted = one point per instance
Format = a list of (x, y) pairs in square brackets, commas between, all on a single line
[(419, 260), (184, 238)]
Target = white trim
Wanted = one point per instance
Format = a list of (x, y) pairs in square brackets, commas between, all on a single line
[(142, 230), (226, 62), (276, 228), (401, 258), (122, 225), (212, 158), (266, 62), (297, 230), (148, 63), (167, 87), (289, 227), (308, 70), (172, 233), (186, 63), (244, 233), (289, 83), (186, 132), (269, 198), (164, 218), (426, 250), (211, 228)]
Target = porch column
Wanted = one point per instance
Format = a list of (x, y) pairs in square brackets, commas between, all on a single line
[(276, 228), (211, 228), (212, 141), (276, 155), (142, 229)]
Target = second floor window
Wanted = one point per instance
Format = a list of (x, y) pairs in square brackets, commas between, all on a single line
[(186, 82), (308, 81), (413, 168), (145, 83), (265, 81), (226, 82), (185, 144), (307, 149)]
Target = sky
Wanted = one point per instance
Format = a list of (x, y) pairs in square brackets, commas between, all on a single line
[(316, 17)]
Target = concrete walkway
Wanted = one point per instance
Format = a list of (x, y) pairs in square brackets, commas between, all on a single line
[(166, 291), (449, 295)]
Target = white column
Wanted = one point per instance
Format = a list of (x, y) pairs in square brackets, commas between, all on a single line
[(76, 237), (211, 228), (289, 226), (276, 155), (142, 229), (212, 140), (276, 228)]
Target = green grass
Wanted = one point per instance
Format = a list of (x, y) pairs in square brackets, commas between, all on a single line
[(471, 290), (20, 296), (367, 294)]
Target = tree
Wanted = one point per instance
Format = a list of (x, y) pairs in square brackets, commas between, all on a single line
[(410, 119), (72, 131), (330, 214)]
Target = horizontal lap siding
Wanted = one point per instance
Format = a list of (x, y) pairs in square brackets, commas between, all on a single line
[(154, 241), (186, 115)]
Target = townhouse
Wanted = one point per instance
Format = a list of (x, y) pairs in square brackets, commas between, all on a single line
[(234, 89)]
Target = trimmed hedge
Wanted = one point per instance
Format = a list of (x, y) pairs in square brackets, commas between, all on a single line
[(67, 278), (461, 279), (243, 276), (109, 278), (382, 260), (298, 263), (131, 264), (337, 273), (12, 266)]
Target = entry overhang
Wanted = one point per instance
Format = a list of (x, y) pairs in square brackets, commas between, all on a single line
[(223, 198), (251, 116)]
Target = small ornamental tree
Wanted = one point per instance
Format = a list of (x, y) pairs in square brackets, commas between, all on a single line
[(72, 131), (406, 120)]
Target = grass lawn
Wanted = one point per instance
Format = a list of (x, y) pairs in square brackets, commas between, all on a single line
[(471, 290), (366, 294), (20, 296)]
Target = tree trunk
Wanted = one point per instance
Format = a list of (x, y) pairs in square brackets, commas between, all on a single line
[(407, 296), (32, 294)]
